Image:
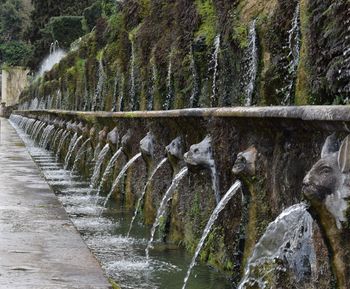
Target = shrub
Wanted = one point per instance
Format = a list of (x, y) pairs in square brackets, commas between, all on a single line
[(65, 29), (91, 14), (15, 53)]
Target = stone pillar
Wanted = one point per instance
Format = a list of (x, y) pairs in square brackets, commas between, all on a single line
[(2, 109), (14, 80)]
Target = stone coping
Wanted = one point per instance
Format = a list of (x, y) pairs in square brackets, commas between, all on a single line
[(308, 113)]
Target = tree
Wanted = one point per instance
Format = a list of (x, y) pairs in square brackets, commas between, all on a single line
[(13, 50), (11, 21), (15, 53), (65, 29), (43, 11)]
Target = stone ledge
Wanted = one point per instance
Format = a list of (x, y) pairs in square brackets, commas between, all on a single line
[(307, 113)]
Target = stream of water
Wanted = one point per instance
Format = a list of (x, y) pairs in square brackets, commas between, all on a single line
[(123, 258)]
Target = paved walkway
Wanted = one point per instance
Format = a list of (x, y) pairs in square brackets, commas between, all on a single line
[(39, 246)]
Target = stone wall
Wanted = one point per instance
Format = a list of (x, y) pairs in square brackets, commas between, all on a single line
[(286, 141), (153, 55), (14, 80)]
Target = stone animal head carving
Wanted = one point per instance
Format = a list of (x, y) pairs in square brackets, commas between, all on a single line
[(147, 146), (326, 184), (93, 133), (56, 122), (75, 128), (113, 137), (126, 142), (80, 127), (61, 123), (102, 135), (245, 162), (85, 131), (174, 150), (200, 155), (69, 125)]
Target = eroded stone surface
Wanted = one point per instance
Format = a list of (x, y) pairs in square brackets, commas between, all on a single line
[(326, 187), (39, 246), (175, 148)]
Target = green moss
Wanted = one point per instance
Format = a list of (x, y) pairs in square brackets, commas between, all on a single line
[(91, 14), (145, 7), (240, 35), (347, 215), (162, 226), (116, 24), (100, 54), (206, 10), (89, 118), (114, 284), (129, 114), (195, 209), (302, 83), (133, 33), (65, 29)]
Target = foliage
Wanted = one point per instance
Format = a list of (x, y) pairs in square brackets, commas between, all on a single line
[(91, 14), (13, 50), (65, 29), (145, 7), (15, 53), (208, 16), (11, 21), (109, 7), (43, 11), (116, 23), (240, 34)]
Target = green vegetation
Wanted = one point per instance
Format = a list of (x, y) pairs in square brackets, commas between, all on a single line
[(65, 29), (113, 283), (240, 34), (41, 35), (15, 53), (206, 10), (187, 31), (13, 20), (91, 14)]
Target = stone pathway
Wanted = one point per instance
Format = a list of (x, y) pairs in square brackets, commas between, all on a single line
[(39, 246)]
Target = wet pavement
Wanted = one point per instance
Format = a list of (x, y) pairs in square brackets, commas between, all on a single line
[(39, 246)]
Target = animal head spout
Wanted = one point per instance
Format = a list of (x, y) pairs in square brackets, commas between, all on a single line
[(174, 150), (147, 146), (126, 142), (325, 185), (85, 131), (245, 162), (80, 127), (102, 135), (69, 125), (74, 127), (93, 133), (113, 137), (200, 155)]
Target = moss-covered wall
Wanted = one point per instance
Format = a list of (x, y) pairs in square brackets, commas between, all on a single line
[(287, 147), (160, 54)]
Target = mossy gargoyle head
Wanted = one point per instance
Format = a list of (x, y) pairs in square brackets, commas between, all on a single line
[(326, 185), (102, 135), (147, 147), (69, 126), (200, 155), (125, 144), (174, 150), (113, 138), (245, 162), (85, 131), (80, 127), (93, 133)]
